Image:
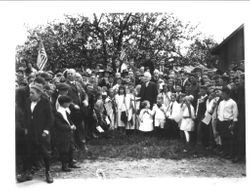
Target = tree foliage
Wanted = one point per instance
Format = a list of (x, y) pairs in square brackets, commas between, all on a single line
[(200, 52), (81, 41)]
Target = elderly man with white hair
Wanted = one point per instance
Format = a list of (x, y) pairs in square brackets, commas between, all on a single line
[(148, 90), (79, 100)]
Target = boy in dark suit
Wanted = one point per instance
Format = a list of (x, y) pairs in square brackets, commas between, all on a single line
[(201, 129), (38, 121), (64, 128)]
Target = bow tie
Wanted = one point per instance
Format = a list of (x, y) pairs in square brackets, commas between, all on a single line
[(73, 82)]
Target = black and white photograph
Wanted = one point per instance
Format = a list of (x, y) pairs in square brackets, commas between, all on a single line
[(144, 90)]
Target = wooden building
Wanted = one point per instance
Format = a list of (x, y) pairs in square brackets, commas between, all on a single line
[(231, 50)]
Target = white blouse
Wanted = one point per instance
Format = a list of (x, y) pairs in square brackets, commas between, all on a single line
[(123, 104), (159, 114), (227, 110)]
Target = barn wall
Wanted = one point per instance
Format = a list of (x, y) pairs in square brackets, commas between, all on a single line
[(232, 52)]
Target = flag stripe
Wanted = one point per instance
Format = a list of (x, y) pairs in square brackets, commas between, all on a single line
[(42, 57)]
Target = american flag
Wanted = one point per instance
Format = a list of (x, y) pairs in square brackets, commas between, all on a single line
[(41, 57)]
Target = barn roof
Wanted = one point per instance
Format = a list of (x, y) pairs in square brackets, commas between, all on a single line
[(216, 50)]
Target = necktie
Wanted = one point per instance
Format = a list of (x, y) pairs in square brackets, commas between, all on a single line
[(171, 108), (69, 118)]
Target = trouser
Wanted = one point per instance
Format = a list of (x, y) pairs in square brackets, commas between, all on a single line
[(90, 126), (21, 154), (217, 138), (121, 129), (198, 131), (172, 129), (38, 150), (66, 157), (53, 143), (157, 131), (212, 142), (205, 134), (79, 135), (146, 134), (227, 138), (241, 136), (129, 132)]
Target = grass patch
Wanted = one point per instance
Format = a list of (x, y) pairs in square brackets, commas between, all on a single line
[(117, 145)]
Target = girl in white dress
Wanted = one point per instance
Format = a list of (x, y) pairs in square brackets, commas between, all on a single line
[(123, 103), (136, 105), (110, 107), (146, 118), (130, 126), (188, 116), (166, 94), (159, 111)]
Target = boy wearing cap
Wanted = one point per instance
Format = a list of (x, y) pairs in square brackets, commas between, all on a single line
[(64, 128), (62, 89), (38, 120)]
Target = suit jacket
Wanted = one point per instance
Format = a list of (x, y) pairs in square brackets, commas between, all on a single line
[(19, 122), (21, 95), (41, 119), (76, 93), (149, 93), (63, 133)]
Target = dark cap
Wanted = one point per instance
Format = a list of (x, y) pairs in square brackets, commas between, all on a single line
[(37, 86), (40, 80), (226, 90), (59, 74), (64, 99), (46, 87), (204, 87), (62, 87), (45, 75), (21, 69), (108, 71)]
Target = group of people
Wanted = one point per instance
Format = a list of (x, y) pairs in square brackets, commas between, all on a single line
[(61, 111)]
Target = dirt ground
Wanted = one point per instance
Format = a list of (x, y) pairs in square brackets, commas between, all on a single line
[(139, 157), (113, 168), (130, 168)]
